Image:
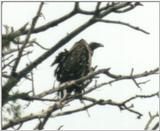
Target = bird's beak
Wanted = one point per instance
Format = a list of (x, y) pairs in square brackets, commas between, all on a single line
[(100, 45)]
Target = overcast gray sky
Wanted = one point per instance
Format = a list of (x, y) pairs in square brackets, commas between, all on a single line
[(124, 48)]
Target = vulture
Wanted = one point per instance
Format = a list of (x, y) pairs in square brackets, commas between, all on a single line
[(74, 63)]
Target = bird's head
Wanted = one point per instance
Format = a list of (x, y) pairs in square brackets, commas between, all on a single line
[(95, 45)]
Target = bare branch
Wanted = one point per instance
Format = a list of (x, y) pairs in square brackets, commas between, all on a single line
[(120, 105), (34, 21), (122, 23), (14, 50), (8, 64), (140, 96), (91, 75), (32, 79), (58, 105), (152, 117), (13, 72), (13, 80), (43, 27), (40, 45), (132, 6)]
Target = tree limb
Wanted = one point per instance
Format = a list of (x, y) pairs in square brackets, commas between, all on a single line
[(61, 103), (122, 23)]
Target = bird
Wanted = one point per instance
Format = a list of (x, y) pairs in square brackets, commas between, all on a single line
[(74, 63)]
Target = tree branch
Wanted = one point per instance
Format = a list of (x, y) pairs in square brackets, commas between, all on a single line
[(44, 27), (152, 117), (91, 75), (62, 102), (122, 23), (34, 21), (14, 80), (68, 84)]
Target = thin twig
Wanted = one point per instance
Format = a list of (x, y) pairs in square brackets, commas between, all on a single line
[(106, 72), (122, 23), (7, 64), (34, 21), (59, 105), (14, 50)]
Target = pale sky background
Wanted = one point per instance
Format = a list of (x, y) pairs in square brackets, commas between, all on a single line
[(124, 48)]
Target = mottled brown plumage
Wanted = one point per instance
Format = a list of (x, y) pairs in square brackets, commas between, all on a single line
[(75, 63)]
